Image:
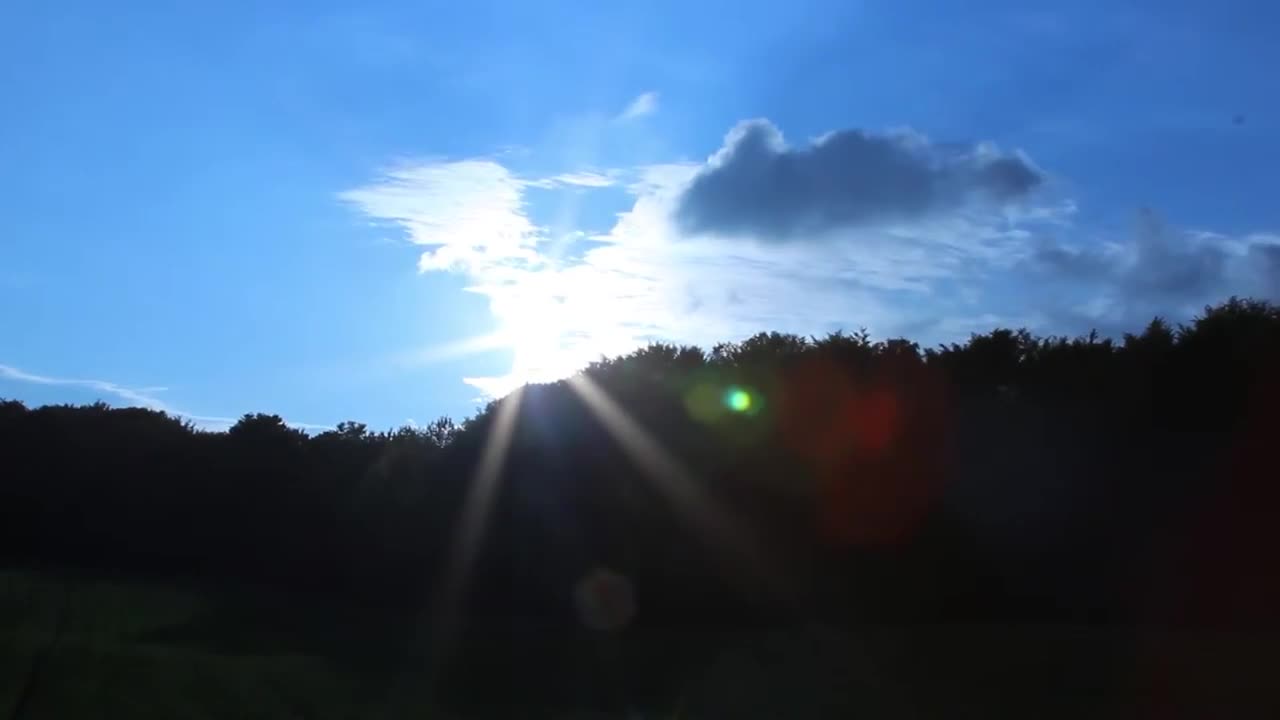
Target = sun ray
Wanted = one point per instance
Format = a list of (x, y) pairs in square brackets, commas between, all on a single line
[(456, 348), (475, 516), (677, 483)]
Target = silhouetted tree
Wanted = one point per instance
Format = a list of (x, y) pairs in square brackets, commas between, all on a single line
[(1011, 475)]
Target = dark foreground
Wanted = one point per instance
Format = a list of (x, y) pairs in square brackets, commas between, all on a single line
[(782, 527), (93, 648)]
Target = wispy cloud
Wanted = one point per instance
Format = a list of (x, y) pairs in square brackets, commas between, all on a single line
[(142, 397), (467, 213), (138, 397), (644, 104), (584, 178)]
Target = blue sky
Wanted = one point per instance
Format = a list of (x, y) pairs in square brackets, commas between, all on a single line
[(390, 211)]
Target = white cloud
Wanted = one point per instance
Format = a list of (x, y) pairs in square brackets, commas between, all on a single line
[(646, 280), (583, 180), (933, 276), (643, 104), (707, 289), (467, 213), (136, 397), (142, 397)]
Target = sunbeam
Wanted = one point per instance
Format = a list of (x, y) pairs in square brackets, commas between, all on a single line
[(677, 483), (455, 349), (471, 527)]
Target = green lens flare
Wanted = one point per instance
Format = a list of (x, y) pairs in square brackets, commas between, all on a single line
[(738, 400)]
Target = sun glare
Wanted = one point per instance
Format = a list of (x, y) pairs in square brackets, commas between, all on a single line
[(535, 333), (555, 324)]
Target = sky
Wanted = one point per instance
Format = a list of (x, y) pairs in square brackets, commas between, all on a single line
[(393, 211)]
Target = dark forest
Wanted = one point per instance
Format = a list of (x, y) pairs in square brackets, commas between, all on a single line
[(773, 481)]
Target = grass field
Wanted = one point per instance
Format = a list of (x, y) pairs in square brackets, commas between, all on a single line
[(93, 648), (97, 648)]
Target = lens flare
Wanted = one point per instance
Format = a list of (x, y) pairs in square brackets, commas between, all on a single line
[(738, 400), (705, 402)]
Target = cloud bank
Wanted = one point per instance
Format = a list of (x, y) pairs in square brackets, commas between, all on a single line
[(887, 230), (1156, 270)]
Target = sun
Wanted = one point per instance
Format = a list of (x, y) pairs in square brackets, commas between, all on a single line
[(545, 335), (554, 323)]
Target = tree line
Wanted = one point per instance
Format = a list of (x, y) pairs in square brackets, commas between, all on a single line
[(1011, 476)]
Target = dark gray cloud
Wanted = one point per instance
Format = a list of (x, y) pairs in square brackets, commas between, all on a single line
[(1267, 259), (1170, 265), (1160, 271), (757, 186), (1072, 263), (1159, 264)]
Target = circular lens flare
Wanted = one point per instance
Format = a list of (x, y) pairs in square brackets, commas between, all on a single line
[(738, 400)]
